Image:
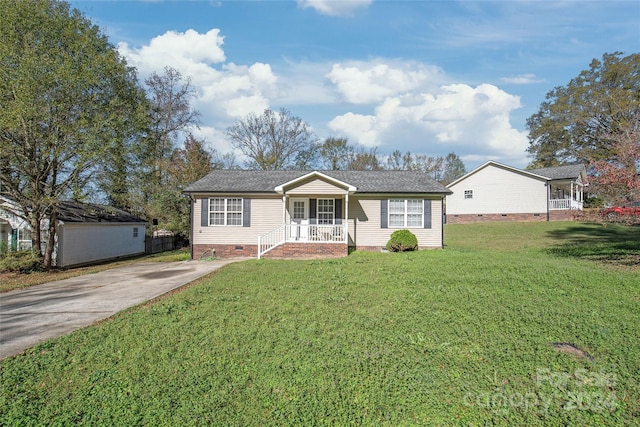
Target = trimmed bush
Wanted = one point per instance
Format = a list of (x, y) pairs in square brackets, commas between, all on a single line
[(402, 240), (21, 261)]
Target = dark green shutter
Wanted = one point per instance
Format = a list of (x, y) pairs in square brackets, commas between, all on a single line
[(427, 213), (338, 211), (246, 212), (384, 213), (313, 212), (204, 218)]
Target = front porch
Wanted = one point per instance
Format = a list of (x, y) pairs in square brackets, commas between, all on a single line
[(314, 212)]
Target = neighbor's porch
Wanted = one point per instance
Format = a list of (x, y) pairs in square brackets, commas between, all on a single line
[(567, 195)]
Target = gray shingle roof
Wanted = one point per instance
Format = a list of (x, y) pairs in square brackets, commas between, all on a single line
[(250, 181), (559, 172), (70, 211)]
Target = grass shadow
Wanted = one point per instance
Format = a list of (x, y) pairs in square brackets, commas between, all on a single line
[(613, 244)]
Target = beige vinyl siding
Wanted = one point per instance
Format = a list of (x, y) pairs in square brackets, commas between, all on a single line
[(317, 187), (364, 222), (266, 215), (498, 191)]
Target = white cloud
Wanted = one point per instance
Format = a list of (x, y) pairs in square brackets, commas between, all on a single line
[(365, 83), (224, 90), (457, 118), (522, 79), (334, 7)]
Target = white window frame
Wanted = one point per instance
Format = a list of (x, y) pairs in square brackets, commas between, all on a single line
[(395, 212), (468, 194), (226, 212), (135, 232), (326, 216)]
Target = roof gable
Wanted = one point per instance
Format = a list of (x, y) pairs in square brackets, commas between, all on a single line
[(311, 176), (491, 163), (547, 174)]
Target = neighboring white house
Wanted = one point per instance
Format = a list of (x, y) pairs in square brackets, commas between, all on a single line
[(85, 233), (292, 214), (497, 192)]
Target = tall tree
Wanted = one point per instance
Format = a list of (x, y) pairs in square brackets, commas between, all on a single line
[(453, 168), (274, 140), (362, 159), (187, 164), (335, 153), (601, 100), (65, 96), (617, 179), (171, 117)]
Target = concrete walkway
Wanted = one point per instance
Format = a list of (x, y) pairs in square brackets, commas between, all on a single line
[(33, 315)]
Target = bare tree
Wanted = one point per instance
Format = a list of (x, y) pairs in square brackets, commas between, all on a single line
[(273, 140)]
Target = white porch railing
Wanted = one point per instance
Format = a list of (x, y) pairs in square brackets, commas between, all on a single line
[(301, 233), (564, 204), (271, 240)]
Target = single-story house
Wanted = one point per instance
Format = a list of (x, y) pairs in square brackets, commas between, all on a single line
[(289, 214), (85, 233), (497, 192)]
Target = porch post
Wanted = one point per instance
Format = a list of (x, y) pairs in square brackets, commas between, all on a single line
[(346, 217), (572, 195), (284, 208)]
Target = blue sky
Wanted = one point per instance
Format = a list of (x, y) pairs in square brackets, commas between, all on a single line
[(429, 77)]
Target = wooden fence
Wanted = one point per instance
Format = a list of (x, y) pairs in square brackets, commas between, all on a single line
[(153, 245)]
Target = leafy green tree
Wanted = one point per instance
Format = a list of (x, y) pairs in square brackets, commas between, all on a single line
[(570, 124), (274, 140), (187, 164), (66, 97)]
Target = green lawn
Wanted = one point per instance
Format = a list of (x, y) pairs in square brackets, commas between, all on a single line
[(460, 336)]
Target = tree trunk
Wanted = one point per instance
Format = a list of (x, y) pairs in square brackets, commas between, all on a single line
[(48, 255), (36, 235)]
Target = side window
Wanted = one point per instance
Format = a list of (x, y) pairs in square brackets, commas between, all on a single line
[(468, 194)]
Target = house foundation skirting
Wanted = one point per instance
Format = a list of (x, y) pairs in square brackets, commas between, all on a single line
[(225, 251), (308, 251), (284, 251), (512, 217)]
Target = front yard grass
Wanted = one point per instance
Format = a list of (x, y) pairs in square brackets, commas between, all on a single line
[(462, 336)]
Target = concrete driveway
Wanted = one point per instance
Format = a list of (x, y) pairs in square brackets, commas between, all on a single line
[(33, 315)]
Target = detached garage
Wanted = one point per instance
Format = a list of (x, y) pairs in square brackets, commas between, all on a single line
[(88, 233)]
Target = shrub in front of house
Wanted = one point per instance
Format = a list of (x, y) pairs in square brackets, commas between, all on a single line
[(21, 261), (402, 240)]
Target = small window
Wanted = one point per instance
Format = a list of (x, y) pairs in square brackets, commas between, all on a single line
[(468, 194), (135, 232)]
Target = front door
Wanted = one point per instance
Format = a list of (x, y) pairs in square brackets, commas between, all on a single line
[(299, 212)]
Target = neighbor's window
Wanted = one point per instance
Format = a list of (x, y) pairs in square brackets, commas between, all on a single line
[(135, 231), (225, 211), (468, 194), (406, 213), (326, 211)]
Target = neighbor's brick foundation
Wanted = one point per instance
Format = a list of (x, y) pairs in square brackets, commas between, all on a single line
[(564, 215), (519, 217)]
